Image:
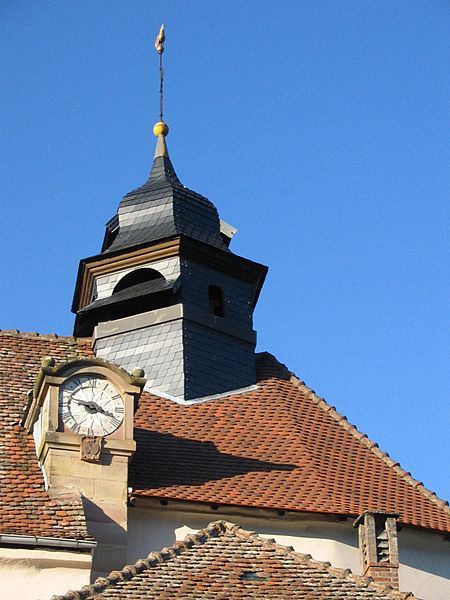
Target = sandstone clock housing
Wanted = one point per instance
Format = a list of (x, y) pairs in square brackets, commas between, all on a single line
[(81, 416), (82, 398)]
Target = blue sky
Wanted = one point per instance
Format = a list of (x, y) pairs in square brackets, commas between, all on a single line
[(319, 129)]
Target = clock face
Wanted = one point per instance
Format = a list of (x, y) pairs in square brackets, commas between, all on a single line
[(91, 406)]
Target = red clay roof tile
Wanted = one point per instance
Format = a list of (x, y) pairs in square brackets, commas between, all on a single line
[(224, 561), (25, 506), (278, 447)]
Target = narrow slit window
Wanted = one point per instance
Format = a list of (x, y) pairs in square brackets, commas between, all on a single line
[(216, 306)]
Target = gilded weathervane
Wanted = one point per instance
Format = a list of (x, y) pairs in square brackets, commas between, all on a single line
[(159, 47)]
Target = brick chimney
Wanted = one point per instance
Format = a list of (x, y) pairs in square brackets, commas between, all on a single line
[(378, 546)]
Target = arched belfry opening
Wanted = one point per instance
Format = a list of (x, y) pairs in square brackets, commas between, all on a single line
[(136, 277)]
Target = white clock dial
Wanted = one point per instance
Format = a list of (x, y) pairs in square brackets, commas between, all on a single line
[(91, 406)]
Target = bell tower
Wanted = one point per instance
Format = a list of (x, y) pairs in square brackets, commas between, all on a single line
[(166, 294)]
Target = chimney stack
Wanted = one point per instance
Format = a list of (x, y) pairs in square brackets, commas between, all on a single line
[(378, 546)]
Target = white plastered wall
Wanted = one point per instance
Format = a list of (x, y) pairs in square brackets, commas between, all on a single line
[(425, 557), (424, 564), (33, 574), (104, 284)]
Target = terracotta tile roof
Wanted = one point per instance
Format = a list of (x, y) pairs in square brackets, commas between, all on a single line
[(279, 447), (25, 507), (224, 561)]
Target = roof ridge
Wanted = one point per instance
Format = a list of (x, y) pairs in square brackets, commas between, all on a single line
[(20, 333), (45, 336), (308, 560), (214, 529), (370, 444), (35, 334)]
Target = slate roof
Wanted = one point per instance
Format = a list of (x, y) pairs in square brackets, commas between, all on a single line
[(162, 208), (132, 292), (278, 447), (224, 561), (25, 507)]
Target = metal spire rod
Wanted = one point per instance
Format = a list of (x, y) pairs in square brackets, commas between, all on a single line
[(161, 81), (159, 47)]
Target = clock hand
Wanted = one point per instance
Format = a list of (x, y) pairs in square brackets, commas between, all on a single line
[(78, 401), (102, 410), (87, 403), (94, 406)]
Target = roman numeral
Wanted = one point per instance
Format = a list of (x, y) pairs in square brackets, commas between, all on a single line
[(115, 422)]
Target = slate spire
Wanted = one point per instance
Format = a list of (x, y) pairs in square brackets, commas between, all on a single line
[(162, 168), (162, 207), (166, 294)]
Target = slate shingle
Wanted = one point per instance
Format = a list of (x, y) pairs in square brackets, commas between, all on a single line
[(163, 208)]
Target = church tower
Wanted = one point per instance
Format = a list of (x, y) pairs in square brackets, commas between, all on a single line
[(166, 294)]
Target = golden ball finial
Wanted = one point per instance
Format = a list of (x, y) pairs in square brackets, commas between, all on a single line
[(160, 128)]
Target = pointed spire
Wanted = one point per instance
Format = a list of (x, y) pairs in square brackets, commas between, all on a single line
[(160, 130), (162, 169)]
